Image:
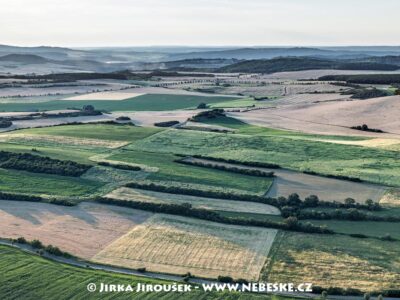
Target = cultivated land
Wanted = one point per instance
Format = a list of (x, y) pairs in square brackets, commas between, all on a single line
[(341, 261), (197, 202), (148, 102), (287, 182), (20, 280), (332, 117), (319, 140), (82, 230), (369, 164), (178, 245)]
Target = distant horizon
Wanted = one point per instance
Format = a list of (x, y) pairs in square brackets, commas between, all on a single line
[(199, 46), (123, 23)]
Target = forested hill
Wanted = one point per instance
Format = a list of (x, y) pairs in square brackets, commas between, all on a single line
[(285, 64)]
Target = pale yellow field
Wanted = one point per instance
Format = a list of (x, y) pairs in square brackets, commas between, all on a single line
[(340, 261), (124, 193), (105, 96), (391, 198), (179, 245), (65, 140)]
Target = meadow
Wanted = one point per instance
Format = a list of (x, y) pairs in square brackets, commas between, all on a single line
[(178, 245), (148, 102), (369, 164), (169, 170), (45, 184), (342, 261), (20, 279)]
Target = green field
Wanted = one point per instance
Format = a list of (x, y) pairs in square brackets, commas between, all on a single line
[(370, 164), (96, 131), (26, 276), (339, 261), (170, 170), (35, 183), (373, 229), (148, 102)]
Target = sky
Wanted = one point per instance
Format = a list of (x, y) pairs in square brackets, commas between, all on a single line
[(95, 23)]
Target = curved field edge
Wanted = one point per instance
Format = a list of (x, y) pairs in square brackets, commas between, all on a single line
[(20, 280)]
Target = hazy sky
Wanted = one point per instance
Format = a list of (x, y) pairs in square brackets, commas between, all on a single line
[(199, 22)]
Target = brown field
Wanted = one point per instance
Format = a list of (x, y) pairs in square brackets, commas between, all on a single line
[(332, 117), (81, 230), (197, 202), (179, 245)]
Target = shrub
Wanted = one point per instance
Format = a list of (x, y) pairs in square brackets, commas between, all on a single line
[(166, 124), (119, 166), (225, 279)]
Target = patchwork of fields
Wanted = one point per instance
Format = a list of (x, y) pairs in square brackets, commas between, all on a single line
[(175, 244)]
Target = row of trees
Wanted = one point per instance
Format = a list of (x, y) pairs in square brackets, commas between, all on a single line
[(119, 166), (41, 164), (36, 244), (245, 171), (187, 210)]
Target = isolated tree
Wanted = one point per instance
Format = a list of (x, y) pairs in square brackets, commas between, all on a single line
[(367, 296), (88, 108), (380, 297), (349, 201), (397, 92), (202, 105)]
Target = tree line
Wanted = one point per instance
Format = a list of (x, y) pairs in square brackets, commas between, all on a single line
[(233, 169), (41, 164)]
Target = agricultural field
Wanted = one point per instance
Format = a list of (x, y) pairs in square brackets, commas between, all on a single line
[(197, 202), (82, 230), (148, 102), (334, 164), (178, 245), (341, 261), (169, 170), (370, 164), (45, 184), (287, 182), (20, 280)]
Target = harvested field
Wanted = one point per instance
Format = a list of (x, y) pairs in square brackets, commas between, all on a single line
[(197, 202), (105, 96), (81, 230), (287, 182), (345, 262), (179, 245), (332, 117), (391, 198), (35, 139)]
